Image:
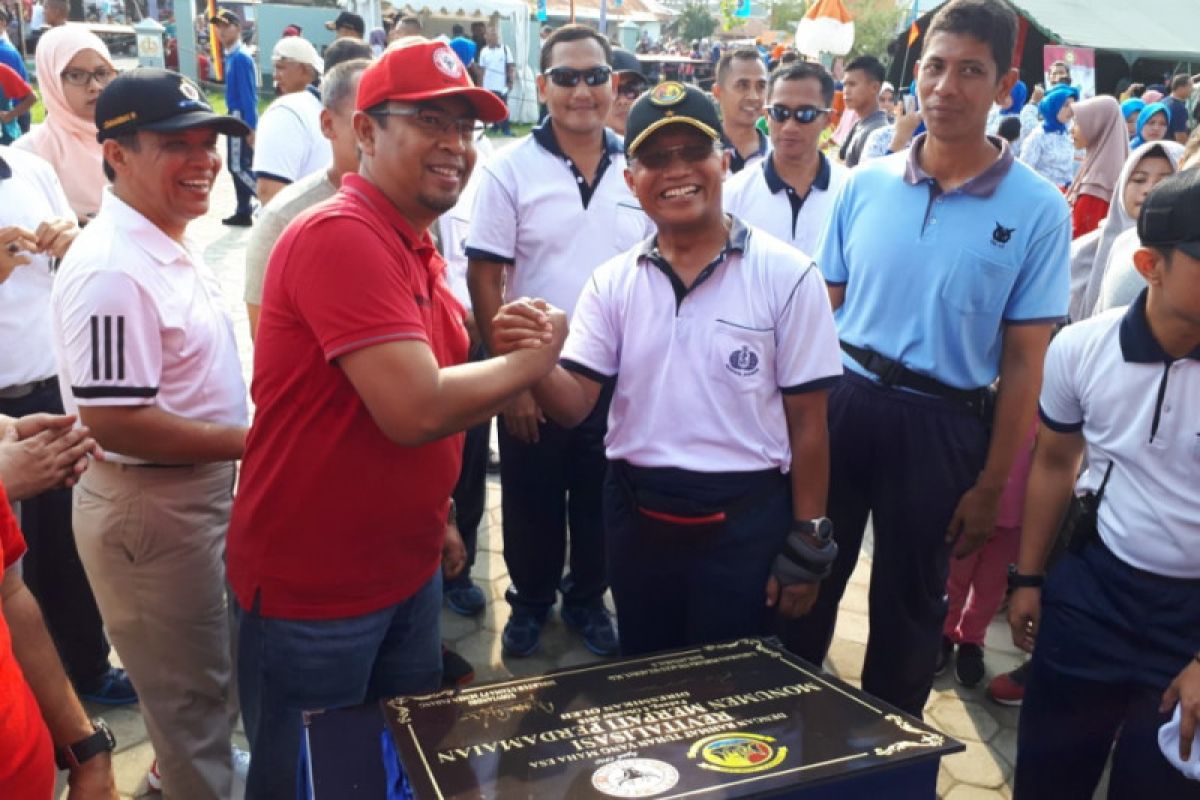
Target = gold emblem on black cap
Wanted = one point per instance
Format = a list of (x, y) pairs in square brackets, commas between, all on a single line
[(188, 90), (668, 93)]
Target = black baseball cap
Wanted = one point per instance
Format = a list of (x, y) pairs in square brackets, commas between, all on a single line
[(670, 103), (149, 99), (347, 19), (1170, 216), (225, 17), (626, 63)]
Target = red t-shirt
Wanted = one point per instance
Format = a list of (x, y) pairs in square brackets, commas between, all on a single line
[(26, 752), (331, 518), (12, 85), (1087, 214)]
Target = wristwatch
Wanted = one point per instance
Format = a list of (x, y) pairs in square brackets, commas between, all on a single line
[(820, 528), (101, 741), (1018, 581)]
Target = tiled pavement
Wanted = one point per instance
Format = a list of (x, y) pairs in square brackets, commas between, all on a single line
[(984, 771)]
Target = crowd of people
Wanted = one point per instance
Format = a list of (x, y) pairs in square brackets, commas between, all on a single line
[(721, 333)]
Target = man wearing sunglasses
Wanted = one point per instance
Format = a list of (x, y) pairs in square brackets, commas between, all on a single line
[(721, 346), (548, 211), (631, 83), (336, 560), (791, 193)]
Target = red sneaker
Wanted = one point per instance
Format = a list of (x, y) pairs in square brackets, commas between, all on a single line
[(153, 779), (1008, 688)]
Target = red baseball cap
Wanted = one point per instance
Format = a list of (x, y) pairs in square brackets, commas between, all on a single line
[(416, 69)]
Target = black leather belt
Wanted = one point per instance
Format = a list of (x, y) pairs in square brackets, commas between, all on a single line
[(25, 389), (893, 373)]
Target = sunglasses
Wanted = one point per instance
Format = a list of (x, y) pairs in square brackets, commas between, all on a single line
[(569, 78), (802, 114), (631, 90), (688, 153)]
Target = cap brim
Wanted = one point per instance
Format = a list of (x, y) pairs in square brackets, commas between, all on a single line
[(654, 127), (488, 107), (230, 126), (630, 72)]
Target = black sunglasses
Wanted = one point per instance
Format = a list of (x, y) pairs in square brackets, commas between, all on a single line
[(632, 89), (803, 114), (569, 78), (661, 159)]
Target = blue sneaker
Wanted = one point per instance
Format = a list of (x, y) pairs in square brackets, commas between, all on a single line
[(595, 625), (114, 689), (466, 599), (522, 635)]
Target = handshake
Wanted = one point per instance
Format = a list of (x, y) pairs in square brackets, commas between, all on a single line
[(529, 324)]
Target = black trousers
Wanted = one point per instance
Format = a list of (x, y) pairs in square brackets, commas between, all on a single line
[(470, 494), (905, 460), (51, 567), (549, 486), (241, 157)]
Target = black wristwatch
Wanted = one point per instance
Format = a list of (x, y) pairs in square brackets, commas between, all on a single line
[(101, 741), (820, 528), (1018, 581)]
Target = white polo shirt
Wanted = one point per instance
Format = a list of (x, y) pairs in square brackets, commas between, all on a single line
[(494, 62), (1109, 378), (288, 143), (701, 372), (760, 197), (139, 321), (535, 212), (738, 162), (30, 194)]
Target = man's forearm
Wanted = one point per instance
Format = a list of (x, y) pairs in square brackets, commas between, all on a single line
[(485, 282), (808, 434), (1016, 410), (564, 397), (149, 433), (1049, 492)]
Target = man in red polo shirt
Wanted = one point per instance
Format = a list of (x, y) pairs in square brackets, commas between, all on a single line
[(362, 392)]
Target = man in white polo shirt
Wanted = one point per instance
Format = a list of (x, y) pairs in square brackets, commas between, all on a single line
[(496, 63), (289, 144), (1117, 625), (721, 345), (548, 210), (740, 90), (147, 358), (790, 194)]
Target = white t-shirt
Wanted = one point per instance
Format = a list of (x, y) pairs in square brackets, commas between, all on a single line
[(30, 194), (288, 143), (494, 62), (139, 321), (275, 217), (1109, 378), (760, 197), (700, 377)]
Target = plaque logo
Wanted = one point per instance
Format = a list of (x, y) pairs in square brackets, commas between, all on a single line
[(738, 753), (635, 777)]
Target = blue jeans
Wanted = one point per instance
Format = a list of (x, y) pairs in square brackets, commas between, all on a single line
[(288, 666)]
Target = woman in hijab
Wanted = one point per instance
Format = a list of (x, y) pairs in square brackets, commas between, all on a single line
[(1049, 150), (1017, 105), (1151, 126), (1129, 110), (73, 67), (1092, 253), (1100, 130)]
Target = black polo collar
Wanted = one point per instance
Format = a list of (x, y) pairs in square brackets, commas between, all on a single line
[(777, 184), (544, 136), (736, 162), (1138, 345)]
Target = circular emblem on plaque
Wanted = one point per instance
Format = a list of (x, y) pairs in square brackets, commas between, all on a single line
[(635, 777), (447, 62), (668, 93), (738, 753)]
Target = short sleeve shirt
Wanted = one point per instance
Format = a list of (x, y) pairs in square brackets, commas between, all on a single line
[(494, 62), (283, 208), (139, 320), (1178, 122), (932, 277), (760, 197), (288, 144), (332, 519)]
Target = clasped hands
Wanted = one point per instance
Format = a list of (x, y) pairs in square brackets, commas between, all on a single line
[(18, 245), (528, 324)]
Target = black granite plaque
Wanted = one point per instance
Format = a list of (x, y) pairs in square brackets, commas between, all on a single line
[(739, 719)]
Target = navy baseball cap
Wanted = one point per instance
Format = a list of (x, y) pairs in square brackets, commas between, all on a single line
[(149, 99), (1170, 216), (670, 103)]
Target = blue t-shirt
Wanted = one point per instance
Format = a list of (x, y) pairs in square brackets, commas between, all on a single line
[(12, 57), (1178, 116), (465, 48), (933, 277), (241, 86)]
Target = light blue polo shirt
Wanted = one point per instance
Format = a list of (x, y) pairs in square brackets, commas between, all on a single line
[(933, 277)]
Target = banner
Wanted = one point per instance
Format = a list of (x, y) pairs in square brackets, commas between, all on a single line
[(214, 44), (1080, 60)]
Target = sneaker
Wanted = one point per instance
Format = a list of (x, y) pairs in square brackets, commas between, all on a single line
[(596, 627), (241, 762), (239, 221), (114, 689), (466, 599), (522, 634), (153, 778), (968, 666), (945, 651), (1008, 689), (456, 670)]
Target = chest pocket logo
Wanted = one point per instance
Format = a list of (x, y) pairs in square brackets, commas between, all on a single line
[(1001, 235), (743, 362)]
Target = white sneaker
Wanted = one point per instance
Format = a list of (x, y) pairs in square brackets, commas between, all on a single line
[(241, 763)]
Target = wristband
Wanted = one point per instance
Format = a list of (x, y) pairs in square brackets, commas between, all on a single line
[(802, 562)]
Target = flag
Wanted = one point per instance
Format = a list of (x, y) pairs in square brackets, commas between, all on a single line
[(214, 44), (914, 33), (826, 28)]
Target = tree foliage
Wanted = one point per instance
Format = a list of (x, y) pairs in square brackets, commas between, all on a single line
[(786, 14), (694, 22), (876, 23)]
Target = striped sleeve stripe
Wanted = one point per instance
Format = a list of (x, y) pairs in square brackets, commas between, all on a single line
[(94, 392), (108, 347), (1056, 426)]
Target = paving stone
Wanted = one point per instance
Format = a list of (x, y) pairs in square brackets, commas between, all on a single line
[(1004, 744), (852, 626), (963, 720), (965, 792), (845, 659), (977, 766), (455, 626)]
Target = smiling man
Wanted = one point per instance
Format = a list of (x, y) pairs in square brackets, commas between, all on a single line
[(361, 395), (147, 359), (741, 89), (965, 288), (720, 327)]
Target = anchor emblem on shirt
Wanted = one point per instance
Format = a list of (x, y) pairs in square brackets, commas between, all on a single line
[(743, 362)]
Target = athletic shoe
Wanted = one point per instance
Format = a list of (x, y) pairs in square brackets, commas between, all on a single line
[(239, 221), (241, 763), (522, 635), (456, 670), (153, 778), (968, 666), (1008, 689), (114, 689), (945, 650), (594, 624), (466, 599)]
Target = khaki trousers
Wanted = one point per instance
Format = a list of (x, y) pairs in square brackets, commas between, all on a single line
[(152, 541)]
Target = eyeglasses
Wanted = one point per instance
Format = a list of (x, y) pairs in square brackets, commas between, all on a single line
[(661, 159), (81, 77), (434, 122), (569, 78), (631, 90), (802, 114)]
